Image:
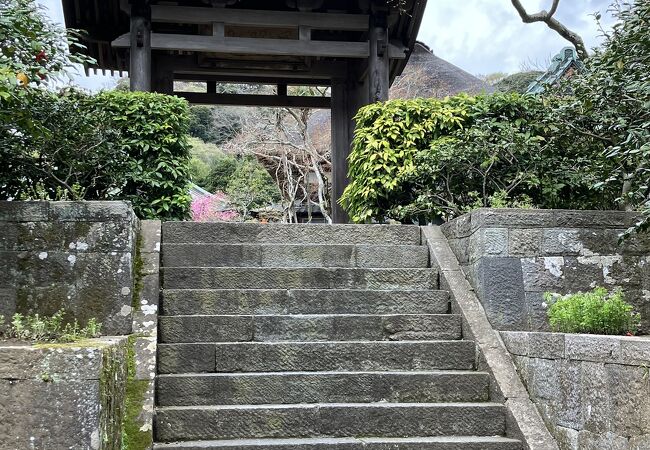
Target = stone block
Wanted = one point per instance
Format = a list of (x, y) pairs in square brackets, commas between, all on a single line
[(151, 234), (33, 211), (635, 350), (546, 345), (545, 379), (525, 242), (501, 290), (570, 406), (543, 274), (594, 219), (599, 441), (630, 403), (537, 312), (567, 438), (596, 408), (517, 342), (512, 218), (561, 242), (93, 211), (145, 358), (596, 348)]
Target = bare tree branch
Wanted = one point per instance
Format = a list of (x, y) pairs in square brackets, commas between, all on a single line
[(548, 18)]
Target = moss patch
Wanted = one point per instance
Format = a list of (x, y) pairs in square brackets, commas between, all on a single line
[(111, 390), (138, 273), (133, 438)]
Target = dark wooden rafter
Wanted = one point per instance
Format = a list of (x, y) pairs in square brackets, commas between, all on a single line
[(285, 101)]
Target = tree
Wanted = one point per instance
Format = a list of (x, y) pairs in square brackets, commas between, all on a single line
[(611, 103), (251, 187), (548, 17)]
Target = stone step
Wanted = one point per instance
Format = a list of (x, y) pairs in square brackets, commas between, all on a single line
[(302, 301), (297, 278), (321, 387), (351, 443), (305, 255), (311, 327), (316, 356), (250, 233), (181, 423)]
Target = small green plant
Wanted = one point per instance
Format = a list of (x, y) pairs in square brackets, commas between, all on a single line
[(48, 329), (595, 312)]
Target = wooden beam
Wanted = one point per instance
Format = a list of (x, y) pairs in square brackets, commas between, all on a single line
[(340, 148), (251, 79), (256, 46), (255, 18), (256, 100)]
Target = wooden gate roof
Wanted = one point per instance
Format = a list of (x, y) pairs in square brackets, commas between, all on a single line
[(247, 40)]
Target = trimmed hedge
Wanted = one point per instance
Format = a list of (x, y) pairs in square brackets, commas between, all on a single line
[(111, 146), (424, 160)]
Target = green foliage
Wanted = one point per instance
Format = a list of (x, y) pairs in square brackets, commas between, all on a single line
[(517, 82), (221, 171), (426, 159), (48, 329), (612, 103), (64, 151), (213, 124), (595, 312), (250, 186), (153, 129), (116, 145)]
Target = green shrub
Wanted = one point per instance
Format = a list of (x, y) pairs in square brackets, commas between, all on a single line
[(48, 329), (113, 146), (426, 159), (153, 132), (595, 312)]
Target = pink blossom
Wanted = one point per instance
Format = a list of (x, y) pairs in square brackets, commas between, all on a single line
[(213, 208)]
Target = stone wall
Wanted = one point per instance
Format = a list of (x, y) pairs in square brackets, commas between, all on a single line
[(56, 396), (593, 391), (511, 257), (76, 256)]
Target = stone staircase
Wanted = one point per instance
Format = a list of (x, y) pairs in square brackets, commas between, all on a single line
[(307, 337)]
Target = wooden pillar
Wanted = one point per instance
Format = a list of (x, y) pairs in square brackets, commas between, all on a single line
[(162, 77), (140, 65), (378, 62), (340, 147)]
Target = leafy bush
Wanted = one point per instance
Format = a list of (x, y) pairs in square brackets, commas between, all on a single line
[(153, 132), (48, 329), (595, 312), (116, 145), (66, 151), (517, 82), (426, 159)]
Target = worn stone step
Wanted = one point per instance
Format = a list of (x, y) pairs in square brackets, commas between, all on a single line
[(290, 255), (302, 301), (297, 278), (310, 327), (249, 233), (352, 443), (316, 356), (321, 387), (329, 420)]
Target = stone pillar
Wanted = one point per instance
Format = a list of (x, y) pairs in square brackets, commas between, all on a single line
[(140, 64)]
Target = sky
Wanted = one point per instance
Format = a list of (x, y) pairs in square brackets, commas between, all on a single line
[(480, 36)]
